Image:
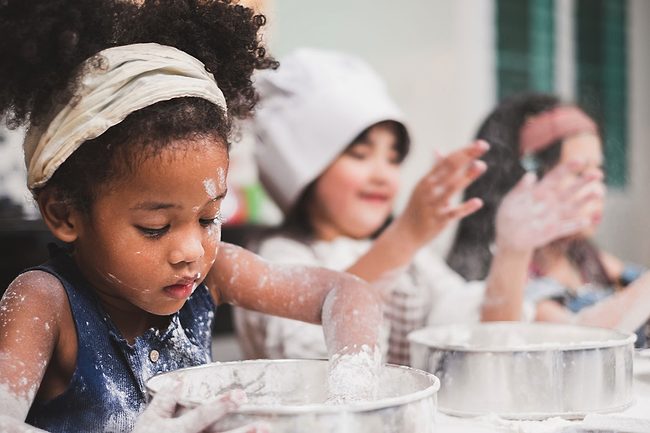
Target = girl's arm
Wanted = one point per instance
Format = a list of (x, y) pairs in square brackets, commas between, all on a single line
[(30, 313), (348, 308), (530, 216), (427, 213), (626, 310)]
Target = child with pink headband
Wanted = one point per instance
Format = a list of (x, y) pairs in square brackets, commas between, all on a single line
[(571, 279)]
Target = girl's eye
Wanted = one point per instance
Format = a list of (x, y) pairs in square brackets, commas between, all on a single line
[(153, 232), (357, 154), (358, 151), (217, 220)]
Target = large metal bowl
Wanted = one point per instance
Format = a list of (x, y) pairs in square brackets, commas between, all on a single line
[(291, 396), (527, 370)]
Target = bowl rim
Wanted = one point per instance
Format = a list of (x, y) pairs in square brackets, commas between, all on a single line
[(539, 416), (313, 408), (618, 338)]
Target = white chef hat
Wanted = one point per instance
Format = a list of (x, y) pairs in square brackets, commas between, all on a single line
[(311, 108)]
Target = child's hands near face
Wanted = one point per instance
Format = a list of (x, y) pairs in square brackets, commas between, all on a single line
[(159, 417), (429, 209), (535, 213)]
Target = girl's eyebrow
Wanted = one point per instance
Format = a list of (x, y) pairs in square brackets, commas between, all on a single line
[(220, 196), (152, 205)]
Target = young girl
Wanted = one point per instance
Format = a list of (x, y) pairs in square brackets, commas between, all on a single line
[(129, 110), (572, 280), (331, 142)]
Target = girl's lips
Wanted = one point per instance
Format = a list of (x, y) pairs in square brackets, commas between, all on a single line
[(180, 291), (382, 198)]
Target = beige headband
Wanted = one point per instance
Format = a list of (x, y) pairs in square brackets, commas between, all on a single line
[(134, 77)]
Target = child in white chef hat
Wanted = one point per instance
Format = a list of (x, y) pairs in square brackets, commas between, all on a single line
[(330, 145)]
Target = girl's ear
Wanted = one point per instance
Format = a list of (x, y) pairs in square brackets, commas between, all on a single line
[(60, 217)]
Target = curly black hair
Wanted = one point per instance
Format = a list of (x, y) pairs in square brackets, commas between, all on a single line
[(470, 253), (44, 42)]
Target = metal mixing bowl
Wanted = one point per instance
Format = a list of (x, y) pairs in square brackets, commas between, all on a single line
[(527, 370), (290, 395)]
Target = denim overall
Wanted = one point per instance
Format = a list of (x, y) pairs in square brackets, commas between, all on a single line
[(107, 390)]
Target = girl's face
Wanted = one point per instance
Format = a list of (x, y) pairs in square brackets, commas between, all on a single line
[(586, 148), (355, 195), (152, 237)]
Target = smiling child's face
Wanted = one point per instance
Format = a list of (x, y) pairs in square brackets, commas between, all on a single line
[(151, 238), (355, 195)]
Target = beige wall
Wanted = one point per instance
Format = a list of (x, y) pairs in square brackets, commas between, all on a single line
[(626, 227)]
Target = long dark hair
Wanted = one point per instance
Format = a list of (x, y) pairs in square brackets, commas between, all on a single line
[(470, 254)]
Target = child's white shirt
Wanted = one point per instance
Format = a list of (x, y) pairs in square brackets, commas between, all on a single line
[(428, 292)]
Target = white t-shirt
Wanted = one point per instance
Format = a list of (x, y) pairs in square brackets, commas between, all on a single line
[(427, 292)]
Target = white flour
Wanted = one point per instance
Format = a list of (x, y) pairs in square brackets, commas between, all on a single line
[(12, 404), (116, 420), (210, 187), (354, 376)]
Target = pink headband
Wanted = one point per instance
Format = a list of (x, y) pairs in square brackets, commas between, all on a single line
[(544, 129)]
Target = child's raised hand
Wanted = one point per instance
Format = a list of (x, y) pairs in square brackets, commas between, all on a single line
[(535, 213), (159, 417), (429, 209)]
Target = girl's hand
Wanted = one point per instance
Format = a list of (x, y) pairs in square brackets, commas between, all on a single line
[(534, 213), (347, 307), (353, 375), (159, 417), (429, 209)]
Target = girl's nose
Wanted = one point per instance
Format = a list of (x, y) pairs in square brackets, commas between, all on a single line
[(383, 171), (188, 249)]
